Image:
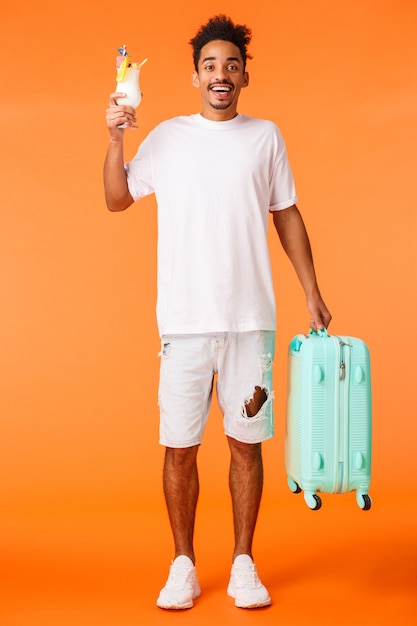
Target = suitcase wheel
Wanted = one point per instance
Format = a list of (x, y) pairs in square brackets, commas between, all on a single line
[(313, 501), (294, 487), (364, 501)]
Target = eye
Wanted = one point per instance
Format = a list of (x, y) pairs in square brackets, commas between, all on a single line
[(232, 68), (209, 68)]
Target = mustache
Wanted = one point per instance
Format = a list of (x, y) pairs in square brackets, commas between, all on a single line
[(221, 82)]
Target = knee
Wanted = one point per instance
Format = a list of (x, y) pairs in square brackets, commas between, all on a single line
[(245, 452), (181, 457)]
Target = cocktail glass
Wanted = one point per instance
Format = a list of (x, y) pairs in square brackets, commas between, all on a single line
[(131, 87)]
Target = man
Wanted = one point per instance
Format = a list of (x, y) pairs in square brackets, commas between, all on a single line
[(216, 176)]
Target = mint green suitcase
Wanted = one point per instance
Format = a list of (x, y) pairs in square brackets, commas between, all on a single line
[(329, 417)]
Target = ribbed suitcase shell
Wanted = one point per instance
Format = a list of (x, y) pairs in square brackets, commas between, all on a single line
[(329, 417)]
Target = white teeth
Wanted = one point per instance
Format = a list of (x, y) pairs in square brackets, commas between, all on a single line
[(221, 89)]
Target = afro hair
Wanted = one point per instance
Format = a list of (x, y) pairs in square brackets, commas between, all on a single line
[(221, 27)]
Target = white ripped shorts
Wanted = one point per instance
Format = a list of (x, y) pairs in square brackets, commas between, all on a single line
[(242, 361)]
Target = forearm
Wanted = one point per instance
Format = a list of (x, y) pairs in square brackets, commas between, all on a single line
[(116, 189), (296, 244), (294, 239)]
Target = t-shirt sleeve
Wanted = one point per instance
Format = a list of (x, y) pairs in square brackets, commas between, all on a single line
[(139, 172), (283, 193)]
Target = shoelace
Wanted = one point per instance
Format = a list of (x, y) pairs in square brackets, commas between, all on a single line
[(180, 577), (246, 577)]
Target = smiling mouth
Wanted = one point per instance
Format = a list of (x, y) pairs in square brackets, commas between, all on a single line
[(221, 90)]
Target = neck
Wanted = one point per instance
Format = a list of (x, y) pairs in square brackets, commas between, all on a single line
[(215, 115)]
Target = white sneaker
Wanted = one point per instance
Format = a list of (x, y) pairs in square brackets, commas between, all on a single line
[(181, 587), (245, 586)]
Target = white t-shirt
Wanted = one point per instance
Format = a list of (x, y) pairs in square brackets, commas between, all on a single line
[(215, 183)]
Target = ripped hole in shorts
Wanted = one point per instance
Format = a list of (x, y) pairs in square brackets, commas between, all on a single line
[(254, 404)]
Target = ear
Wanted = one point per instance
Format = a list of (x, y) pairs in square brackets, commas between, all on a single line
[(245, 79), (195, 81)]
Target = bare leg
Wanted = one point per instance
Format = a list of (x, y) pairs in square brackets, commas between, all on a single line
[(181, 488), (246, 482)]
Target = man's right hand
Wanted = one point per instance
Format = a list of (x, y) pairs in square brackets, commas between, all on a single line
[(117, 114)]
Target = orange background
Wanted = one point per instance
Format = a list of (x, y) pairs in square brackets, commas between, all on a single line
[(84, 535)]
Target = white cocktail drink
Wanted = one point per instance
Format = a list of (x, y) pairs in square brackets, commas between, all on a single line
[(128, 74), (130, 86)]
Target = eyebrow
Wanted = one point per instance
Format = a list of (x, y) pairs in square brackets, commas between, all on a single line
[(214, 59)]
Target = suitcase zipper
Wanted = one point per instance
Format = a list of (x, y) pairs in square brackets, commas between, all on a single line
[(343, 426)]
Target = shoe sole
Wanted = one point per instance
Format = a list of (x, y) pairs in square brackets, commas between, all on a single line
[(253, 606), (258, 605), (178, 607)]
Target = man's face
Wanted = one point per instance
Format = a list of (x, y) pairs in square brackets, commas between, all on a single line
[(220, 78)]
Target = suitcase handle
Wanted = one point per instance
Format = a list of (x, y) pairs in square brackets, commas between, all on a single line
[(297, 341), (322, 332)]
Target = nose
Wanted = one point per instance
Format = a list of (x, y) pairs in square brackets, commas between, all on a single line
[(221, 73)]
